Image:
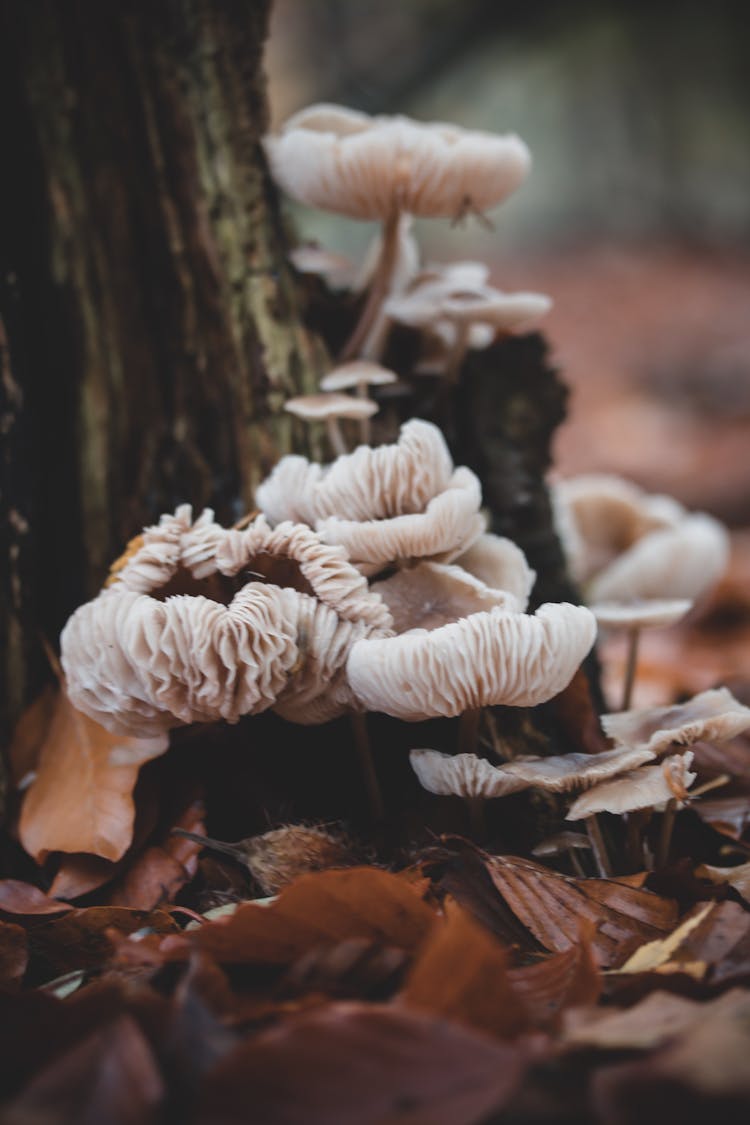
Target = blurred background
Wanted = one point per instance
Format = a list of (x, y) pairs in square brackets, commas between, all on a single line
[(635, 219)]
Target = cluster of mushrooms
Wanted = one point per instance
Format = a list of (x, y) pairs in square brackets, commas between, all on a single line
[(371, 584)]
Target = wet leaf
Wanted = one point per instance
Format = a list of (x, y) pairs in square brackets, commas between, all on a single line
[(81, 799), (368, 1064), (316, 910)]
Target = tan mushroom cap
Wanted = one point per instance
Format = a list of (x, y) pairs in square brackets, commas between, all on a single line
[(677, 562), (429, 595), (487, 658), (711, 716), (434, 305), (501, 565), (449, 525), (561, 773), (460, 775), (369, 168), (368, 484), (644, 788), (309, 258), (314, 408), (643, 613), (356, 373)]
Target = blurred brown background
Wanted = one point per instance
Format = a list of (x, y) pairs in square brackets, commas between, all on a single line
[(636, 217)]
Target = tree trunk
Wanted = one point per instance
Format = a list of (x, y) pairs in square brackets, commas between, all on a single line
[(151, 322)]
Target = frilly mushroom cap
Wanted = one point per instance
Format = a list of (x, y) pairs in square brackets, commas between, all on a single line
[(314, 408), (643, 788), (501, 565), (140, 666), (713, 716), (368, 484), (354, 374), (676, 562), (449, 525), (205, 641), (461, 775), (369, 168), (561, 773), (641, 614), (494, 657), (429, 595)]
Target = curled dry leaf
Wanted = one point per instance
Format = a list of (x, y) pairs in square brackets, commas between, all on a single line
[(82, 797), (163, 869), (317, 910), (21, 898), (369, 1064)]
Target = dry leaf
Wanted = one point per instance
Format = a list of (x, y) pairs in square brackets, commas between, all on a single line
[(29, 734), (656, 1019), (656, 953), (352, 1063), (17, 897), (162, 870), (14, 955), (317, 910), (81, 799), (80, 940), (461, 974), (737, 877), (556, 983)]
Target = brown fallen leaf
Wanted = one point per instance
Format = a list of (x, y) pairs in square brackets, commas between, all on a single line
[(356, 968), (29, 734), (80, 939), (316, 910), (564, 980), (368, 1064), (653, 954), (17, 897), (110, 1076), (737, 877), (14, 954), (461, 974), (162, 870), (552, 907), (80, 874), (81, 798)]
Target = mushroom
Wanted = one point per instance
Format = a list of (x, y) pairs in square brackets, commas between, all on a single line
[(329, 408), (187, 634), (498, 655), (561, 773), (634, 616), (463, 775), (711, 716), (309, 258), (405, 267), (380, 168), (368, 484), (500, 564), (359, 374)]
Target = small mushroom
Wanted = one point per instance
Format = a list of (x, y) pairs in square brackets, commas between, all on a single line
[(309, 258), (380, 168), (329, 408), (359, 374), (633, 617), (711, 716), (500, 564), (463, 775), (564, 772)]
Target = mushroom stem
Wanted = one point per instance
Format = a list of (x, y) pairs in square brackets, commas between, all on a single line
[(335, 437), (598, 847), (630, 667), (477, 822), (665, 836), (576, 863), (634, 839), (367, 766), (468, 731), (365, 427), (456, 354), (379, 288)]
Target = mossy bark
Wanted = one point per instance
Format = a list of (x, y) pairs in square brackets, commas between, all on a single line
[(151, 320)]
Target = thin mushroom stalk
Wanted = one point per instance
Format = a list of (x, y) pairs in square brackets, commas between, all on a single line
[(631, 667), (379, 289), (598, 847), (336, 439), (367, 767), (665, 835), (468, 731)]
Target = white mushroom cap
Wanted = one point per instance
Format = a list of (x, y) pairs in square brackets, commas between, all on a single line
[(461, 775), (488, 658), (429, 595), (369, 168), (354, 374), (161, 549), (308, 258), (449, 525), (644, 788), (314, 408), (641, 614), (564, 772), (433, 305), (678, 562), (501, 565), (389, 480), (713, 716)]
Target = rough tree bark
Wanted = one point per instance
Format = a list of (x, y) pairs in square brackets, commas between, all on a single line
[(151, 328)]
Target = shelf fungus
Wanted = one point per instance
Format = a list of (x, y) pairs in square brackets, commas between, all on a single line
[(204, 623), (456, 652), (382, 168), (384, 506), (711, 716)]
